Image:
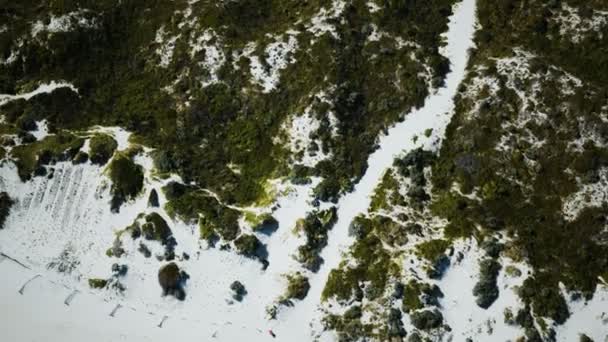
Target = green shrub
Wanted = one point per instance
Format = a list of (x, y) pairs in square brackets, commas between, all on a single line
[(248, 245), (297, 286), (5, 207), (101, 148), (96, 283), (127, 180), (156, 228), (427, 319), (58, 147)]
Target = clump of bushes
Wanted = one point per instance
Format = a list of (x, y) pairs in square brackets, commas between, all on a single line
[(32, 158), (96, 283), (300, 175), (418, 295), (434, 252), (545, 298), (192, 205), (80, 158), (251, 247), (144, 250), (118, 271), (238, 290), (127, 180), (116, 250), (101, 148), (412, 166), (152, 227), (315, 227), (486, 289), (153, 199), (156, 228), (369, 276), (350, 326), (265, 223), (297, 286), (5, 207), (172, 280), (427, 319), (394, 325), (386, 193)]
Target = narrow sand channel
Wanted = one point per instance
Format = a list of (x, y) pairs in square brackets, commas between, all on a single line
[(436, 115)]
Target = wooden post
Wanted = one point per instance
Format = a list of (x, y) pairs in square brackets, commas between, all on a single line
[(118, 306), (27, 282), (69, 298)]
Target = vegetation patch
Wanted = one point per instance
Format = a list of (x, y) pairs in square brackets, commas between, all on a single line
[(486, 289), (127, 180), (192, 205), (374, 266), (34, 157), (500, 153), (5, 207), (263, 223), (297, 287), (250, 246), (315, 228), (96, 283), (238, 290), (427, 319), (417, 295), (385, 192), (172, 280), (101, 148)]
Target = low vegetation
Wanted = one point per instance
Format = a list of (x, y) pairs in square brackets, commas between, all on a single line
[(172, 280), (127, 180), (101, 148), (5, 207), (34, 158), (315, 227)]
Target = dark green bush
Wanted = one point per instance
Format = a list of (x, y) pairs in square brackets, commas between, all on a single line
[(101, 148)]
